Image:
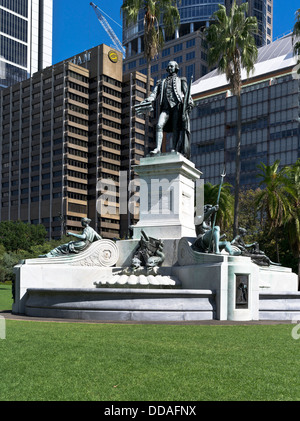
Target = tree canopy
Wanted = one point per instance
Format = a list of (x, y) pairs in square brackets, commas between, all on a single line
[(16, 235)]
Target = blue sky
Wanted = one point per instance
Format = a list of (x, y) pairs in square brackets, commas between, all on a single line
[(76, 27)]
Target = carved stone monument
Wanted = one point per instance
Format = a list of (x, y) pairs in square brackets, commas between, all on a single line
[(167, 186), (175, 268)]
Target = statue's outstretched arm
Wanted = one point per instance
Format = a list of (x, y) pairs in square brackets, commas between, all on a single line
[(153, 94), (80, 236)]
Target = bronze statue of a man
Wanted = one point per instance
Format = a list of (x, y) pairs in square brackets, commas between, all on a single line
[(175, 106)]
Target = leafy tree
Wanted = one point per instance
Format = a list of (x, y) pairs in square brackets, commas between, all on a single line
[(2, 268), (248, 216), (232, 47), (8, 259), (273, 201), (272, 246), (279, 203), (273, 242), (16, 235), (292, 223)]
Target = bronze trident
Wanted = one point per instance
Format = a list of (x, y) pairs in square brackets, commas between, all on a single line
[(218, 199)]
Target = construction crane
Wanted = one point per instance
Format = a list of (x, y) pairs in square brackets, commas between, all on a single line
[(117, 43)]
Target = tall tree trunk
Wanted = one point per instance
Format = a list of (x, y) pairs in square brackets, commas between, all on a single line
[(148, 77), (237, 166), (148, 91)]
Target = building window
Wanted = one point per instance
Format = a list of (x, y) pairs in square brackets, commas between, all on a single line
[(178, 59), (189, 71), (13, 25), (17, 6), (132, 65), (13, 51), (203, 56), (190, 43), (177, 48), (190, 56)]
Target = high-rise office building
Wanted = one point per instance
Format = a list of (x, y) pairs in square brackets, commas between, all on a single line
[(187, 46), (66, 133), (133, 143), (25, 39), (270, 117)]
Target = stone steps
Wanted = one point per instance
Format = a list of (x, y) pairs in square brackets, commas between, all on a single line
[(279, 305)]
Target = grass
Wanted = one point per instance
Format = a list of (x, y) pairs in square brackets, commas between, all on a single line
[(50, 361), (5, 297), (46, 361)]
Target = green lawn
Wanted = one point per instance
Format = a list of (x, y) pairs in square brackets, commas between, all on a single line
[(5, 297), (115, 362)]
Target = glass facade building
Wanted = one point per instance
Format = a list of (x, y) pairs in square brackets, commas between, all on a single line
[(25, 39), (270, 118)]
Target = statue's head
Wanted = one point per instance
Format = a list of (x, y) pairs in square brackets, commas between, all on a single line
[(172, 67), (85, 221), (207, 208), (242, 231)]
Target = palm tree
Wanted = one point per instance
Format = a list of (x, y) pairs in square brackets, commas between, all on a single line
[(232, 47), (293, 219), (296, 37), (273, 200), (155, 13)]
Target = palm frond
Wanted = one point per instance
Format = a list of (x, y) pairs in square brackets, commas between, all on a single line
[(154, 10), (231, 42)]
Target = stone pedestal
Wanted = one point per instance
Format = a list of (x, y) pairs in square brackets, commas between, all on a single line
[(70, 271), (224, 274), (167, 186)]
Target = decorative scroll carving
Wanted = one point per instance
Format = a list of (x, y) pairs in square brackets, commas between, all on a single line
[(104, 253)]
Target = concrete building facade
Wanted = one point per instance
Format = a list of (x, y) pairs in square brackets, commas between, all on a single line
[(61, 132)]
